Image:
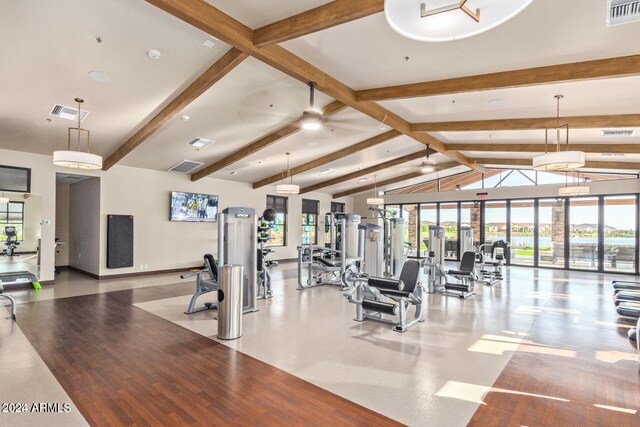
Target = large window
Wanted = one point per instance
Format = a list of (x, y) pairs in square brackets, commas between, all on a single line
[(470, 217), (551, 226), (12, 214), (522, 232), (583, 233), (449, 220), (620, 216), (495, 223), (428, 216), (279, 230), (309, 222)]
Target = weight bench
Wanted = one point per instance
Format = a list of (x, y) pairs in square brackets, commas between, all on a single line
[(465, 274), (11, 300), (206, 281), (378, 297)]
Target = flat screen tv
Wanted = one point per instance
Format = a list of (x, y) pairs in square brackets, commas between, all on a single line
[(193, 207)]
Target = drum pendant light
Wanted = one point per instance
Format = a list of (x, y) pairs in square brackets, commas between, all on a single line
[(290, 188), (558, 160), (77, 159)]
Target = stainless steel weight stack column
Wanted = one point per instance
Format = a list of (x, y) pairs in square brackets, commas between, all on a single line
[(396, 246), (237, 245), (230, 278), (436, 256), (466, 239), (371, 248)]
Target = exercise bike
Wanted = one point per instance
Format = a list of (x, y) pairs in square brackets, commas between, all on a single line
[(12, 240)]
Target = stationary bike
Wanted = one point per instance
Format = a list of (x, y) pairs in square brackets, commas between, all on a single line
[(12, 240)]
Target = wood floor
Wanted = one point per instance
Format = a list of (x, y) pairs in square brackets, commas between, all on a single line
[(573, 371), (121, 365)]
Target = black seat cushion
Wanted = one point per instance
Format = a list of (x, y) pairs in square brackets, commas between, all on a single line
[(409, 274), (459, 273), (210, 264)]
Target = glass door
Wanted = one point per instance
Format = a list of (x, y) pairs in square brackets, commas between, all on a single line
[(449, 220), (522, 232), (583, 233), (495, 223), (551, 214), (620, 215), (428, 216)]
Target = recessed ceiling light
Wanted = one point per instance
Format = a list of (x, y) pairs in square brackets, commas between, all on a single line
[(99, 76), (154, 53), (326, 171), (497, 102), (208, 43), (233, 173), (364, 180), (185, 118)]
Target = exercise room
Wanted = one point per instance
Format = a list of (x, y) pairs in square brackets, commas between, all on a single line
[(347, 212)]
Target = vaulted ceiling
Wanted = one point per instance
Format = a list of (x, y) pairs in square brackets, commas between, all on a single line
[(247, 92)]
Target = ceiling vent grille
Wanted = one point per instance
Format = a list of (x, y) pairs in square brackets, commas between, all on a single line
[(613, 154), (200, 143), (185, 166), (622, 11), (618, 132), (69, 113)]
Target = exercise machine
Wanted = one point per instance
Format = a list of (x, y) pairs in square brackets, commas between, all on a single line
[(318, 265), (238, 245), (491, 270), (371, 249), (20, 278), (265, 224), (439, 276), (206, 281), (395, 249), (12, 301), (12, 240), (379, 298)]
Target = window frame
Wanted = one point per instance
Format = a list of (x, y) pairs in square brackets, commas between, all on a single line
[(284, 213), (6, 213)]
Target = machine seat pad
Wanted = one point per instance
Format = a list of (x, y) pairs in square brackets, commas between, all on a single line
[(384, 283), (395, 293), (457, 287), (459, 273)]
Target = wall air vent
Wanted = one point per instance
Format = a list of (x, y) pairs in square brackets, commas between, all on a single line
[(200, 143), (69, 113), (622, 11), (185, 166), (618, 132)]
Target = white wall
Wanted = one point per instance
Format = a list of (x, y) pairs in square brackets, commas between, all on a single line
[(62, 224), (162, 244), (84, 225), (158, 243)]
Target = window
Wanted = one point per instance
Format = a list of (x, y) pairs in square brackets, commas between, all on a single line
[(551, 232), (335, 207), (279, 230), (309, 222), (11, 213), (620, 233), (428, 216), (522, 237), (583, 233), (449, 220)]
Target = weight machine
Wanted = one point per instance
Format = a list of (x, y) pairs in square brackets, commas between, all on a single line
[(394, 244), (491, 268), (265, 224)]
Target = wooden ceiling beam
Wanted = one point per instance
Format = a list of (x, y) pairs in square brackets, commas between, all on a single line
[(539, 148), (575, 122), (207, 18), (336, 155), (265, 141), (366, 171), (587, 165), (320, 18), (389, 181), (211, 76), (571, 72)]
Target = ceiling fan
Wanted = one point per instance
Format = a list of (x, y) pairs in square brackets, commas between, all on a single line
[(278, 105)]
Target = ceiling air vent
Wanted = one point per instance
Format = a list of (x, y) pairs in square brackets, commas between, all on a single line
[(200, 143), (69, 113), (613, 154), (185, 166), (622, 11), (618, 132)]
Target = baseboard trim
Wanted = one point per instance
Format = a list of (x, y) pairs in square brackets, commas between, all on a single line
[(78, 270)]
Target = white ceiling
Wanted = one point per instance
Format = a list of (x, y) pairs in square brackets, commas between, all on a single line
[(49, 47)]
